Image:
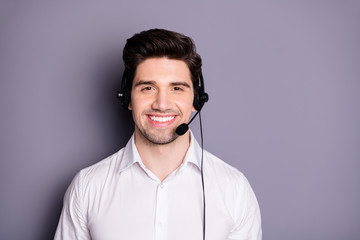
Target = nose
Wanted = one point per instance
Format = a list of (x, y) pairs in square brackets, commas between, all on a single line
[(162, 101)]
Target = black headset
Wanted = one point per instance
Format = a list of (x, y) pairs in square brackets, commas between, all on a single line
[(124, 95)]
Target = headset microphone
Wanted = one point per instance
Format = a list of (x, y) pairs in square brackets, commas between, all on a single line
[(182, 129)]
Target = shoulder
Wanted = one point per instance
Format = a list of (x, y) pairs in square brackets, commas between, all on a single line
[(234, 187), (222, 170), (98, 173)]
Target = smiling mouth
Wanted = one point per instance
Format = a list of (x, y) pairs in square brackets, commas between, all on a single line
[(161, 119)]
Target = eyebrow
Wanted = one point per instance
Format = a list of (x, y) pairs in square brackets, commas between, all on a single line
[(143, 82), (184, 84)]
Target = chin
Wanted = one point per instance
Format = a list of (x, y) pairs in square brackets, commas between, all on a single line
[(160, 138)]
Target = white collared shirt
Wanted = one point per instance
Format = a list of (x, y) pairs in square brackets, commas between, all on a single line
[(119, 198)]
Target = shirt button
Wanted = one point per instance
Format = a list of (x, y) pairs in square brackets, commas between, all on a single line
[(160, 224), (161, 185)]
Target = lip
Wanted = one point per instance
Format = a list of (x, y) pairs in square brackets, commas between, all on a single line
[(163, 122)]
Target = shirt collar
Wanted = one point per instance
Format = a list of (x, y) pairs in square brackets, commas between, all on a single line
[(193, 154), (132, 156)]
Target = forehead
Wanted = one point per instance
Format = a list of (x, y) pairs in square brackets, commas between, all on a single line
[(163, 70)]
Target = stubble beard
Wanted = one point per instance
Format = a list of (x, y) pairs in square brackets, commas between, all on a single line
[(158, 139)]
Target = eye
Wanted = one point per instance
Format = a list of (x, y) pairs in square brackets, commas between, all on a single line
[(178, 89), (148, 88)]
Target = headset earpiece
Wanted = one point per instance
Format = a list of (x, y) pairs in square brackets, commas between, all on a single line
[(201, 97), (124, 94)]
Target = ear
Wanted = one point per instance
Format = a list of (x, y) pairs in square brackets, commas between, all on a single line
[(130, 107), (193, 109)]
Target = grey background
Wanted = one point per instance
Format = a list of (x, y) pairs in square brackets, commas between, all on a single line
[(283, 80)]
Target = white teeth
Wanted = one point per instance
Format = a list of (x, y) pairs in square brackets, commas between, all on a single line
[(161, 119)]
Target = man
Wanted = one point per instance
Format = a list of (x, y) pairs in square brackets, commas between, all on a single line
[(152, 188)]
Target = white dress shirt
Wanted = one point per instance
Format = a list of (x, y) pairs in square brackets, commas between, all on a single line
[(119, 198)]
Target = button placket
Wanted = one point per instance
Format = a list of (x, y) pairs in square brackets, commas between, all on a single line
[(161, 212)]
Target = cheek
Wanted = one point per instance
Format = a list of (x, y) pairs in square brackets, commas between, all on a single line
[(188, 104), (135, 104), (139, 106)]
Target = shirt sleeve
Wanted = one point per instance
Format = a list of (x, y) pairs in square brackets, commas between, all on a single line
[(247, 214), (72, 223)]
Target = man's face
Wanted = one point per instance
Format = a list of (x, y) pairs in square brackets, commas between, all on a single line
[(161, 99)]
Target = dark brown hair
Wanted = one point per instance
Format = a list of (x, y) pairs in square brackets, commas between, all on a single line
[(161, 43)]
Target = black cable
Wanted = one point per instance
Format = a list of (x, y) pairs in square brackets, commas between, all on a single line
[(202, 174)]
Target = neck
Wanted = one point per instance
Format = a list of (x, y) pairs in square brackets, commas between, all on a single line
[(162, 159)]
